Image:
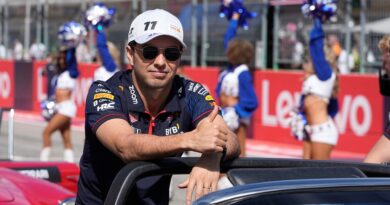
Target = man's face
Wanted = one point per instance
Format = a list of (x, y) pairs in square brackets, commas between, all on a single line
[(157, 72)]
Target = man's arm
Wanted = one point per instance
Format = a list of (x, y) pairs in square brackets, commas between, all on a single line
[(204, 176), (119, 137), (379, 153)]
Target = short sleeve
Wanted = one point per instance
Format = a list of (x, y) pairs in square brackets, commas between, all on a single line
[(102, 104), (199, 102)]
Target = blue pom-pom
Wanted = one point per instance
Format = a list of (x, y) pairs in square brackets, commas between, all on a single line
[(322, 9), (99, 15), (70, 34), (229, 7)]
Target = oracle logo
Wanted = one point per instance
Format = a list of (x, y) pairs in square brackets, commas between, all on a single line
[(5, 85)]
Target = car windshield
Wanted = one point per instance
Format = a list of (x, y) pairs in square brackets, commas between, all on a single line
[(373, 197)]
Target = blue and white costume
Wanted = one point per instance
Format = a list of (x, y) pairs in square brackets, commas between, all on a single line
[(108, 67), (237, 82), (67, 80), (321, 84)]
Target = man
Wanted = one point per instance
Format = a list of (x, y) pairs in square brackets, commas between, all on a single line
[(379, 153), (149, 113)]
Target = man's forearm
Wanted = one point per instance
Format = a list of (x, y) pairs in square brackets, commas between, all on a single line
[(232, 147), (147, 147)]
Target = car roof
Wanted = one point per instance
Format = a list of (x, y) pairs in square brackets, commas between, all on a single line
[(131, 172)]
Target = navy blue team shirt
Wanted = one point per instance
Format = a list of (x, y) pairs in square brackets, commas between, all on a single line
[(188, 103)]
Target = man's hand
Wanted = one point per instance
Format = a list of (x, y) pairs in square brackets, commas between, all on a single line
[(203, 177), (208, 137)]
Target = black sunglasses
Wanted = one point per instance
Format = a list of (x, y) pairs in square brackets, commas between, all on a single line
[(151, 52)]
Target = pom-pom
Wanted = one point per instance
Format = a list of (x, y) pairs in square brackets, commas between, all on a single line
[(48, 108), (229, 7), (71, 34), (99, 15), (322, 9)]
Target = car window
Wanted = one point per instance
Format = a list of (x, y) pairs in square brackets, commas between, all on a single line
[(372, 197)]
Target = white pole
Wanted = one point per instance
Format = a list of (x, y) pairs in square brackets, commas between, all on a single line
[(6, 34), (264, 30), (38, 38), (363, 36), (46, 25), (194, 32), (27, 31), (11, 134), (275, 48), (205, 43)]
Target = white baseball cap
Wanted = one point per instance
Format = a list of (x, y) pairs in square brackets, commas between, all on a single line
[(153, 23)]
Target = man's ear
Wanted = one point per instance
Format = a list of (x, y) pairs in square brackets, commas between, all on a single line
[(130, 55)]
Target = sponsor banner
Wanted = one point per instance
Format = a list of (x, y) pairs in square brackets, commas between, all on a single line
[(7, 87)]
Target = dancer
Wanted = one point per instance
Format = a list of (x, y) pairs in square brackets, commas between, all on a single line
[(65, 106), (70, 35), (313, 123), (235, 88)]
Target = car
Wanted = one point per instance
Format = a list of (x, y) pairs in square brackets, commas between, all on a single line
[(35, 182), (61, 173), (272, 181), (17, 188)]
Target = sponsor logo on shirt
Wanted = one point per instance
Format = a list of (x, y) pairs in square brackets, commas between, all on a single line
[(133, 95), (197, 88), (103, 95), (136, 130), (172, 130), (102, 90), (106, 106), (209, 98)]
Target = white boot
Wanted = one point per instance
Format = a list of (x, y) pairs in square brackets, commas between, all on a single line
[(68, 155), (45, 154)]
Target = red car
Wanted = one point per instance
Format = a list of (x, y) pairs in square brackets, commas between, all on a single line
[(36, 183), (16, 188), (62, 173)]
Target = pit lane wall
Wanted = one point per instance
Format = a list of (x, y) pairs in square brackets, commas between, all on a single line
[(359, 121)]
